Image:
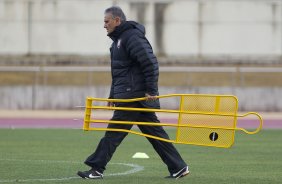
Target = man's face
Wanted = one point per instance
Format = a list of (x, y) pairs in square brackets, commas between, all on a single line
[(111, 23)]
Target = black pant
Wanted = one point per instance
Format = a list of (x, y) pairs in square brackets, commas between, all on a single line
[(108, 144)]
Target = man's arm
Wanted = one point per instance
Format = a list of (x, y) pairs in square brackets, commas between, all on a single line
[(140, 50)]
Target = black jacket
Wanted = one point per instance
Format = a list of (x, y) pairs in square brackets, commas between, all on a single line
[(134, 66)]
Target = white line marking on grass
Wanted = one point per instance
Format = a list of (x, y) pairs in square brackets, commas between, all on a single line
[(135, 168)]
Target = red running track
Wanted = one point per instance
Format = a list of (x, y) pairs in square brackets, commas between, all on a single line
[(71, 123)]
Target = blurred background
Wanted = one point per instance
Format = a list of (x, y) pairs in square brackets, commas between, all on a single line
[(55, 53)]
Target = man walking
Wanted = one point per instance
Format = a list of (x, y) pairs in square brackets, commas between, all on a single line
[(135, 74)]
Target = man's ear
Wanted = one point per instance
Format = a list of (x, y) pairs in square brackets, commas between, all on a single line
[(118, 20)]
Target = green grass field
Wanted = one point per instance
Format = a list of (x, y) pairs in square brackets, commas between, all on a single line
[(55, 155)]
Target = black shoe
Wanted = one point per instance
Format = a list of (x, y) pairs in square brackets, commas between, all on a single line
[(91, 174), (183, 172)]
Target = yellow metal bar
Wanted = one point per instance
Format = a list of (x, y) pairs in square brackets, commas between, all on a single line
[(161, 96), (160, 124), (159, 110), (217, 104), (133, 109), (131, 123), (133, 132), (87, 116), (154, 137)]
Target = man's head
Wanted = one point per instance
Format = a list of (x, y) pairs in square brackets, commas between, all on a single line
[(114, 16)]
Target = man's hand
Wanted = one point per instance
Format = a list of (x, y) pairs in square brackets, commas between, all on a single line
[(150, 98)]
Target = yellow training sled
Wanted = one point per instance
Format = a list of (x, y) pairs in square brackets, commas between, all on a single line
[(203, 119)]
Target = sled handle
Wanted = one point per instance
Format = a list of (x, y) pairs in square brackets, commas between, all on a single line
[(258, 128)]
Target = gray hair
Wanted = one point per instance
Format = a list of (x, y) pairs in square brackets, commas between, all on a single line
[(116, 12)]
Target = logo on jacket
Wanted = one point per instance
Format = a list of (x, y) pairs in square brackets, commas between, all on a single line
[(118, 43)]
